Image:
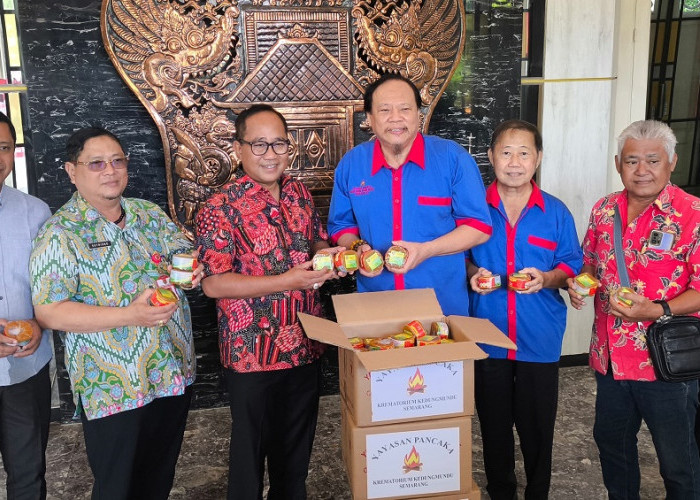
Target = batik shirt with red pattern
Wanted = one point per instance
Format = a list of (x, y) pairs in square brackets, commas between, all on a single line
[(655, 274), (244, 230)]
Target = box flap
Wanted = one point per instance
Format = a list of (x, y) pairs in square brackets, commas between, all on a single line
[(481, 330), (397, 358), (386, 307), (324, 331)]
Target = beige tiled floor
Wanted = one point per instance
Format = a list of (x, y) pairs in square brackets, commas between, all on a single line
[(202, 469)]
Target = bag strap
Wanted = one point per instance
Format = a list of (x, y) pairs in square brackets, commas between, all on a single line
[(620, 256), (619, 253)]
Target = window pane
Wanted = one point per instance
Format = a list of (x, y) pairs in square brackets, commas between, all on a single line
[(660, 33), (673, 40), (12, 40), (676, 8), (685, 132), (8, 4), (691, 8), (15, 77), (687, 78)]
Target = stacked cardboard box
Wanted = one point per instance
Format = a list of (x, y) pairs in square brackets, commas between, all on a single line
[(406, 412)]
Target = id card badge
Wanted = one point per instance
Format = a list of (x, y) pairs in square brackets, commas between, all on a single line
[(659, 240)]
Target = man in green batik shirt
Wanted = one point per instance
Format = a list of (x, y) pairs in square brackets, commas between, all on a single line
[(131, 364)]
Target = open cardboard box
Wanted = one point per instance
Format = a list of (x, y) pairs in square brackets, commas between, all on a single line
[(396, 385)]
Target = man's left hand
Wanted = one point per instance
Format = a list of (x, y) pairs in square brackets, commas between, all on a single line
[(536, 283), (416, 254), (33, 344), (642, 308)]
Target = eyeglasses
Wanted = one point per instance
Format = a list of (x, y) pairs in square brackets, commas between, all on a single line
[(100, 165), (259, 148)]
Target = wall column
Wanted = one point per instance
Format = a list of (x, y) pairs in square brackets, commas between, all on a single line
[(595, 79)]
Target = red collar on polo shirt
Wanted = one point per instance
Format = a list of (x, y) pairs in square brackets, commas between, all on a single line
[(494, 199), (416, 155)]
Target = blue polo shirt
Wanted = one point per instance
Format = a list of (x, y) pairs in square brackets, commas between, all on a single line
[(438, 188), (544, 238)]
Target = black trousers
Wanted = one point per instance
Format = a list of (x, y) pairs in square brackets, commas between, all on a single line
[(697, 426), (25, 412), (133, 454), (273, 417), (525, 395)]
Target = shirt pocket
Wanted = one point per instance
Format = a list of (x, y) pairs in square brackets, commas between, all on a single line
[(665, 272), (539, 252), (435, 201), (434, 214), (542, 242)]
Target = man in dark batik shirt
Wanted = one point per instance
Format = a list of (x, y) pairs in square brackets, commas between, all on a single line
[(258, 235)]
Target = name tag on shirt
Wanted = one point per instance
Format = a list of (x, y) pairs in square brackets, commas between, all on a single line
[(99, 244), (659, 240)]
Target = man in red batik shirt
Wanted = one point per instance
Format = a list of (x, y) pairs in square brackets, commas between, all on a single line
[(258, 235), (660, 229)]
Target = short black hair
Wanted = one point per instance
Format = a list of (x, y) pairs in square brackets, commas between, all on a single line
[(76, 142), (387, 77), (242, 118), (5, 119), (517, 125)]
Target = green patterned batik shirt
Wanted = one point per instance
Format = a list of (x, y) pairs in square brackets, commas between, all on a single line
[(81, 256)]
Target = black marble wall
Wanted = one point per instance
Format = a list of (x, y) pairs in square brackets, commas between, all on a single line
[(72, 83)]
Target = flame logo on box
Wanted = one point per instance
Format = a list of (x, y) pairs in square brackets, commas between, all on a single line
[(411, 462), (416, 383)]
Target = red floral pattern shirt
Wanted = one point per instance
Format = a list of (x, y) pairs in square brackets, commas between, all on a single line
[(654, 273), (243, 229)]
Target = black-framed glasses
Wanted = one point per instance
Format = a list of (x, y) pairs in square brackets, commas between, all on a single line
[(259, 148), (100, 165)]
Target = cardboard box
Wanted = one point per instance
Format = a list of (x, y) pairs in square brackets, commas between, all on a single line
[(427, 458), (435, 390), (398, 385), (474, 494)]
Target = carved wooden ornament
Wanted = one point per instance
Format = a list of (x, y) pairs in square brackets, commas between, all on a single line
[(195, 64)]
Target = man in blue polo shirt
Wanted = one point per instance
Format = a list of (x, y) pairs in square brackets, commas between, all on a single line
[(533, 234), (420, 192)]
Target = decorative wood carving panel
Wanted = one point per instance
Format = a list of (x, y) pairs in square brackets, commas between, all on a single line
[(195, 64)]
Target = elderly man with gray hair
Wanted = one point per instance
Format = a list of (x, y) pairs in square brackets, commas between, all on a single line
[(660, 248)]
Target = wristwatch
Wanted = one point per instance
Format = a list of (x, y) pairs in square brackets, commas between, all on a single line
[(667, 310)]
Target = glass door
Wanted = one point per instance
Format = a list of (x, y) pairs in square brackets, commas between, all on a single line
[(674, 77)]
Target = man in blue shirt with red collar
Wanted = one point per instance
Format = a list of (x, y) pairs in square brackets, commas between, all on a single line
[(533, 234), (420, 192)]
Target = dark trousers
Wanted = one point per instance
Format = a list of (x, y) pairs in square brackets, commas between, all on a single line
[(25, 411), (133, 454), (669, 411), (525, 395), (697, 427), (273, 417)]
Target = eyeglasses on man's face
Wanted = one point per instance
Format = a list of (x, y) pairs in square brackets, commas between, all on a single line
[(259, 148), (100, 165)]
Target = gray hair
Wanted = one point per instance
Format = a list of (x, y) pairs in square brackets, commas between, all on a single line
[(649, 129)]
